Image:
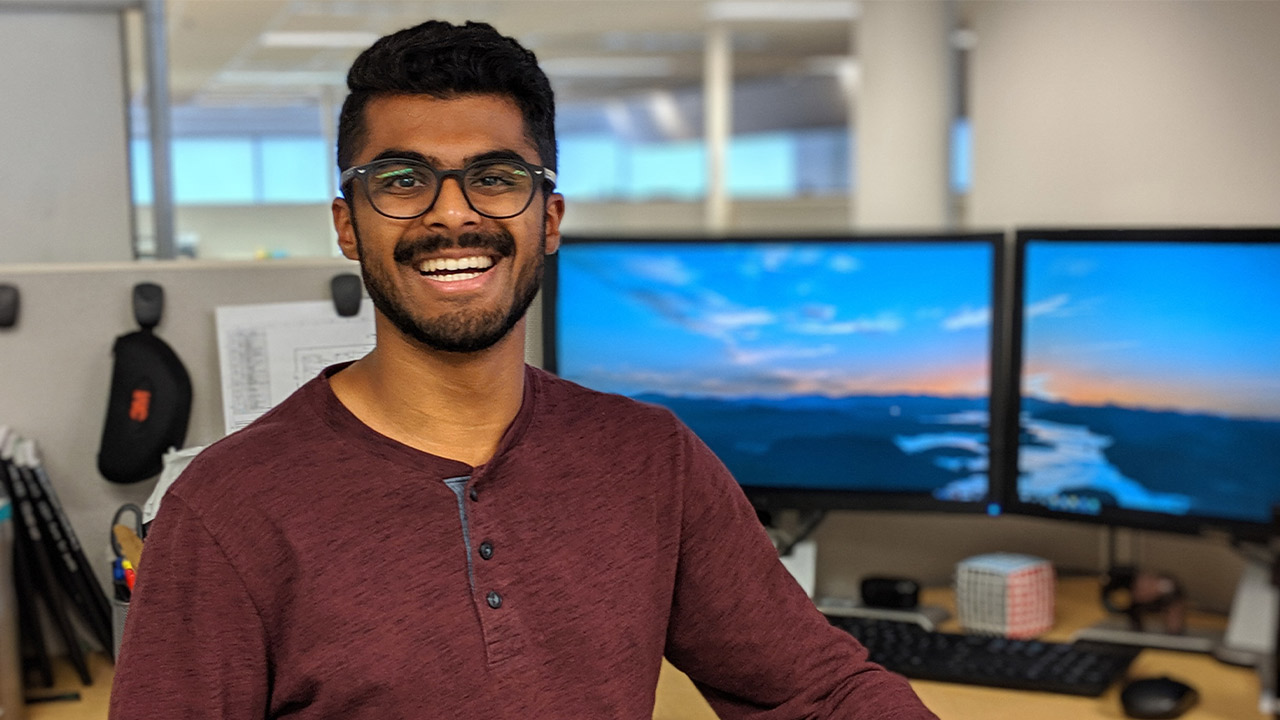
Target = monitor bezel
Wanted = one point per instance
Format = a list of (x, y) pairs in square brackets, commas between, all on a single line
[(772, 499), (1240, 530)]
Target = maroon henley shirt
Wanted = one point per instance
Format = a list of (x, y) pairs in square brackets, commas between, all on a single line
[(309, 567)]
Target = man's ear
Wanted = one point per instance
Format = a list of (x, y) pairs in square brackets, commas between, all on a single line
[(343, 223), (551, 221)]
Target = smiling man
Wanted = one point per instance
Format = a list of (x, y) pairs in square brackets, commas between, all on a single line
[(439, 530)]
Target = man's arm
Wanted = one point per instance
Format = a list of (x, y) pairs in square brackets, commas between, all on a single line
[(194, 645), (745, 632)]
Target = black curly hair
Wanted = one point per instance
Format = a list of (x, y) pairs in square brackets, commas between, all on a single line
[(444, 61)]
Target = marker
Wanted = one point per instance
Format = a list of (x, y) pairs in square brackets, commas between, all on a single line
[(130, 575)]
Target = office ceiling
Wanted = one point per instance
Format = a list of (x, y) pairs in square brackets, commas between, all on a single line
[(255, 52)]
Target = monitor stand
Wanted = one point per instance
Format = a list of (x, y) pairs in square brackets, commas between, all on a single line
[(1250, 634), (1251, 631)]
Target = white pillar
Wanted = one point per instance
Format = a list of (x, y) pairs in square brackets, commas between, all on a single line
[(903, 114), (163, 213), (717, 113)]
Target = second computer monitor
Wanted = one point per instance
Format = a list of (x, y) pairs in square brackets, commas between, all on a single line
[(1149, 368), (829, 373)]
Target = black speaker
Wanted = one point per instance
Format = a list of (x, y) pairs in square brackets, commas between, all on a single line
[(892, 593)]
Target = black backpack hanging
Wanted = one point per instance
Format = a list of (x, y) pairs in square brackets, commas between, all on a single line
[(150, 401)]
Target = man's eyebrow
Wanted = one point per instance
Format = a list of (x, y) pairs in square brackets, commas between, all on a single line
[(495, 155), (390, 153), (435, 162)]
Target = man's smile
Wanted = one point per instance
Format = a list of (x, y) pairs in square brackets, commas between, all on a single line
[(455, 269)]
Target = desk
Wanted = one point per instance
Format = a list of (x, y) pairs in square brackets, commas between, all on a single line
[(1226, 692), (93, 698)]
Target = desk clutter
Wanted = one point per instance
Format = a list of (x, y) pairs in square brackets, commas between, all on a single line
[(986, 644), (1004, 601)]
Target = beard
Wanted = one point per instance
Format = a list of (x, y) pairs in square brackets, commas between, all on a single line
[(458, 331)]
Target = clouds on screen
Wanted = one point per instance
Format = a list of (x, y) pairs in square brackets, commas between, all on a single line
[(664, 269), (1053, 305), (882, 323), (967, 318), (766, 346)]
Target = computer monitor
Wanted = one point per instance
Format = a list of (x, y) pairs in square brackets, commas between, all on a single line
[(1146, 367), (826, 373)]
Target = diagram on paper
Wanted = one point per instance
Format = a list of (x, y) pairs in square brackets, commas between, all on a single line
[(265, 352)]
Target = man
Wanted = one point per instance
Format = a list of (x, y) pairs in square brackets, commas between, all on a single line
[(437, 530)]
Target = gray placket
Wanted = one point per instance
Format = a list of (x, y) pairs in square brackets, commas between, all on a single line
[(458, 485)]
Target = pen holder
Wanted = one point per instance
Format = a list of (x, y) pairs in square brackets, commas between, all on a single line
[(119, 611)]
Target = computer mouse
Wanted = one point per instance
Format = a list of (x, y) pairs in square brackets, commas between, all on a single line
[(1157, 697)]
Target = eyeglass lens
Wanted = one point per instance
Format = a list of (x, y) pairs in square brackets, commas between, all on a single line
[(495, 188)]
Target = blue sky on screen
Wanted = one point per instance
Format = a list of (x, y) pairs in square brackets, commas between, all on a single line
[(1189, 327), (763, 320)]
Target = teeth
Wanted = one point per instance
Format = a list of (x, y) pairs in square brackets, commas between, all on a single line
[(455, 277), (478, 262)]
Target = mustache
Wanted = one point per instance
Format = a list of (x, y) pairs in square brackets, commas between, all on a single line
[(500, 242)]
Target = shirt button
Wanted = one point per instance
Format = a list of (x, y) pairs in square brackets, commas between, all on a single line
[(494, 600), (474, 494), (486, 550)]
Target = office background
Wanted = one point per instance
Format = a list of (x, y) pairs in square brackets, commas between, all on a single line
[(1073, 113)]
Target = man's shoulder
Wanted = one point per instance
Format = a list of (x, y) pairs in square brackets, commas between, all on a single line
[(576, 403), (279, 438)]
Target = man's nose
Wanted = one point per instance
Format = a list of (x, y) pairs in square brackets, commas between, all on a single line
[(451, 208)]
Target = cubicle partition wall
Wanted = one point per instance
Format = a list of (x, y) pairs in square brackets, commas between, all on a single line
[(57, 361)]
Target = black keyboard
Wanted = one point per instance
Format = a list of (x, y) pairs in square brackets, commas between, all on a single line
[(1079, 668)]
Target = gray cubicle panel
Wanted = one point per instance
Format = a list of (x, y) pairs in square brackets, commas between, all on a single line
[(57, 360)]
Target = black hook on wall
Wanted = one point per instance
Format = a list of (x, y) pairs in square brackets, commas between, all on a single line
[(348, 291), (9, 303), (148, 304)]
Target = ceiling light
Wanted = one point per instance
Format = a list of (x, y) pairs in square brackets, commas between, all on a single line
[(273, 78), (608, 67), (783, 10), (317, 39)]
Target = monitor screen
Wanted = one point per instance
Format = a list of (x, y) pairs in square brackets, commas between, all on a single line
[(827, 373), (1148, 364)]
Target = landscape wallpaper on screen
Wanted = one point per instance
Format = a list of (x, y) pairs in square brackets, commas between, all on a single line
[(1151, 378), (828, 366)]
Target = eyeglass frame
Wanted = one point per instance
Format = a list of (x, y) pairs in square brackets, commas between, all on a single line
[(546, 174)]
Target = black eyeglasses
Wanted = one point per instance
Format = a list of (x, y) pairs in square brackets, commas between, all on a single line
[(404, 189)]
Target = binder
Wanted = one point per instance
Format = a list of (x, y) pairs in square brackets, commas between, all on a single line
[(42, 579), (74, 572), (52, 576)]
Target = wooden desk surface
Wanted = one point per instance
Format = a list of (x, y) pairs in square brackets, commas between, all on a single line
[(93, 698), (1226, 692)]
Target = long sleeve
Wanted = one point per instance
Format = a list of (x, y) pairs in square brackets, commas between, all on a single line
[(194, 645), (745, 632)]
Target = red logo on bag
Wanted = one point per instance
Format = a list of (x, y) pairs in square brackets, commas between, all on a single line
[(140, 408)]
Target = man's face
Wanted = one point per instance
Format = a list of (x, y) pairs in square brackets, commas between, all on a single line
[(450, 279)]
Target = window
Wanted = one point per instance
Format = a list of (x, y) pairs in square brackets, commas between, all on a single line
[(295, 170), (240, 170)]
